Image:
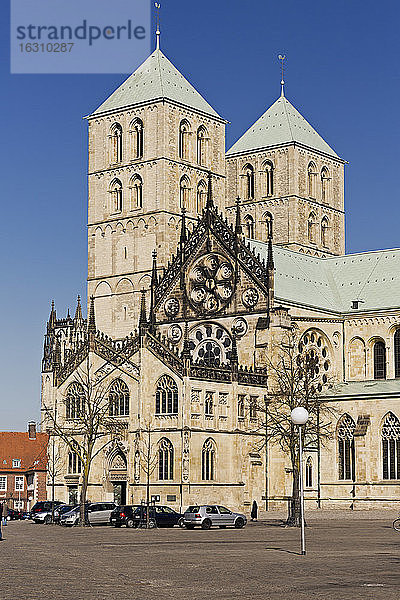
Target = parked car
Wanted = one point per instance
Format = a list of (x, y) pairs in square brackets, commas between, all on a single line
[(208, 515), (45, 516), (132, 515), (13, 515), (98, 512), (43, 506)]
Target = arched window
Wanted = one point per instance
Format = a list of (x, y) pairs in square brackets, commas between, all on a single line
[(346, 454), (379, 360), (268, 225), (311, 225), (75, 401), (166, 396), (118, 399), (311, 175), (201, 196), (396, 344), (116, 143), (325, 184), (324, 231), (184, 132), (201, 145), (184, 190), (248, 175), (249, 226), (209, 404), (391, 447), (136, 130), (309, 472), (116, 195), (269, 178), (136, 191), (165, 460), (74, 462), (208, 460)]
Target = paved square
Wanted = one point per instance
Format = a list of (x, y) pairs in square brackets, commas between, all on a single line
[(346, 558)]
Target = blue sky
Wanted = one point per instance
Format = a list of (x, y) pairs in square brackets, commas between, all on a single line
[(342, 74)]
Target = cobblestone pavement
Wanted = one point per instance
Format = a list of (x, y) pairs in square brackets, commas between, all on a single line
[(346, 558)]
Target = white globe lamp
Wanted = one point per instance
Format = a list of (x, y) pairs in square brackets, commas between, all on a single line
[(299, 416)]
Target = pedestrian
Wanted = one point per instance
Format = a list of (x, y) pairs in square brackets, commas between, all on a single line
[(1, 518), (254, 511), (5, 513)]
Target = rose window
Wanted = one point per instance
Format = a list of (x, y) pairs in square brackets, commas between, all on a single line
[(316, 346), (210, 345), (211, 283)]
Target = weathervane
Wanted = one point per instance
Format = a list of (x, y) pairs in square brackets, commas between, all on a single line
[(282, 58), (157, 6)]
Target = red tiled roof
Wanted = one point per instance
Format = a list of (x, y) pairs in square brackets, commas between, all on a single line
[(15, 444)]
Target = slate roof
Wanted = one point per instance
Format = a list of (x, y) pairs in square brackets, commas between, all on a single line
[(371, 389), (156, 79), (32, 452), (280, 124), (333, 283)]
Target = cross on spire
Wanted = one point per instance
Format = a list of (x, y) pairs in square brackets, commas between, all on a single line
[(157, 7), (282, 57)]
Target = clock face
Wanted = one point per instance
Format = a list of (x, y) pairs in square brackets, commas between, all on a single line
[(211, 283)]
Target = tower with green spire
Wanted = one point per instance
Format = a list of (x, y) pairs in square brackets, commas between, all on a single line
[(281, 167)]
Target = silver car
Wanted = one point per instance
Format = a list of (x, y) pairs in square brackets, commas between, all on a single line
[(98, 512), (208, 515)]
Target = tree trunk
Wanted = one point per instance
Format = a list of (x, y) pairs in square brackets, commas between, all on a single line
[(293, 519), (83, 520)]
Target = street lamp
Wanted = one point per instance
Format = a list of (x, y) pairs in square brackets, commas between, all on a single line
[(299, 417)]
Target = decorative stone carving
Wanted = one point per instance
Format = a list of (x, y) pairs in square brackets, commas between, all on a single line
[(175, 334), (250, 297), (239, 327), (211, 283), (171, 307)]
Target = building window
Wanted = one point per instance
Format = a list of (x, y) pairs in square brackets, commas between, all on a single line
[(184, 189), (208, 460), (391, 447), (75, 401), (396, 345), (19, 483), (379, 360), (18, 504), (249, 226), (346, 453), (241, 406), (16, 463), (136, 192), (74, 462), (253, 407), (209, 404), (137, 138), (269, 178), (73, 495), (311, 225), (165, 460), (325, 184), (184, 132), (201, 196), (201, 145), (248, 175), (166, 396), (324, 231), (119, 398), (3, 483), (268, 225), (311, 175), (309, 472), (116, 195), (116, 143)]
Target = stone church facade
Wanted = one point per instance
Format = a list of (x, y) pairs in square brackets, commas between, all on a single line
[(190, 288)]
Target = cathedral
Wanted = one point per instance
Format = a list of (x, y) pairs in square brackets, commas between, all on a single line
[(198, 260)]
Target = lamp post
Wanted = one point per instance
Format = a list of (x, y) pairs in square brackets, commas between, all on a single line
[(299, 417)]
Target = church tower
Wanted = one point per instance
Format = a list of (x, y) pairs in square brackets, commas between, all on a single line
[(152, 144), (281, 167)]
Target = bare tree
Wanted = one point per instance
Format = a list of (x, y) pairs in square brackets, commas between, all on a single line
[(87, 428), (148, 452), (294, 380)]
